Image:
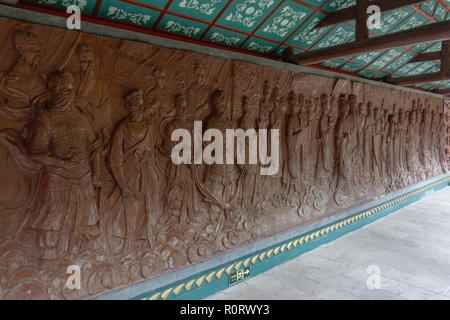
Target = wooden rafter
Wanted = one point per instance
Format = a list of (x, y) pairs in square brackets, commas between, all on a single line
[(428, 56), (351, 13), (421, 78), (426, 33), (443, 91), (443, 74)]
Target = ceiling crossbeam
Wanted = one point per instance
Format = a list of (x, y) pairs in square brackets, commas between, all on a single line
[(442, 75), (439, 31), (351, 13), (428, 56)]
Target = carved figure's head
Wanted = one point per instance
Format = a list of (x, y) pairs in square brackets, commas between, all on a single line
[(26, 45), (85, 54), (160, 74), (218, 102), (199, 74), (62, 88), (134, 102), (180, 104)]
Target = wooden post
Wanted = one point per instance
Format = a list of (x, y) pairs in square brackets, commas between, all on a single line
[(361, 29)]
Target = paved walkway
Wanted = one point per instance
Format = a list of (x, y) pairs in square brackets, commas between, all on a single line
[(411, 248)]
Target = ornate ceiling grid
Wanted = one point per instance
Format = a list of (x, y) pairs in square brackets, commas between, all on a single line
[(267, 27)]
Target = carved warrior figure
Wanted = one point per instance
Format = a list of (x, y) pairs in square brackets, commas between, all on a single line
[(134, 205), (220, 179), (64, 142)]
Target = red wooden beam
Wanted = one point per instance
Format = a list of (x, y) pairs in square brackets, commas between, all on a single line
[(421, 78), (428, 56), (442, 75), (443, 91), (427, 33), (350, 13)]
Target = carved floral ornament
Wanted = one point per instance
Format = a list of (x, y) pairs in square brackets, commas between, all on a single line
[(85, 146)]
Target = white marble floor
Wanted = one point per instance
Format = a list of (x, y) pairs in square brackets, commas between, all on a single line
[(410, 248)]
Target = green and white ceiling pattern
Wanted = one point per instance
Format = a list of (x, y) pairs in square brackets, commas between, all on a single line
[(268, 27)]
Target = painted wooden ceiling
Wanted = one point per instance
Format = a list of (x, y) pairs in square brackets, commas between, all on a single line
[(267, 27)]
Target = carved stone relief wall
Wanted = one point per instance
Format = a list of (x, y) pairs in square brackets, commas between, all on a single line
[(447, 129), (87, 178)]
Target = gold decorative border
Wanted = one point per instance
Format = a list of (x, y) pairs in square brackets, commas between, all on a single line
[(287, 246)]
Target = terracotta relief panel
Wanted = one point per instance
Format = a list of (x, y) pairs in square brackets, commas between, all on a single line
[(87, 177), (447, 129)]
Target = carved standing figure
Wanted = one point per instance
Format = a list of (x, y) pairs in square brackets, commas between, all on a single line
[(92, 92), (181, 198), (135, 204), (22, 84), (294, 146), (220, 179), (250, 171), (63, 141)]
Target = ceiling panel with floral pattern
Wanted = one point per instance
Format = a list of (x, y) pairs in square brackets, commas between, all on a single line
[(268, 27)]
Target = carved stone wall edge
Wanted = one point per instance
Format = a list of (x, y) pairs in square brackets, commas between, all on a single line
[(50, 20)]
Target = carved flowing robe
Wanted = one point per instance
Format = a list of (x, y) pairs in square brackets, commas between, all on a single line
[(133, 163), (249, 181), (95, 93), (412, 156), (348, 154), (181, 199), (294, 147), (19, 87), (220, 179), (66, 210)]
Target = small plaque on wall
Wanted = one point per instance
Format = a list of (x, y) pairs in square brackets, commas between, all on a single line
[(239, 275)]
